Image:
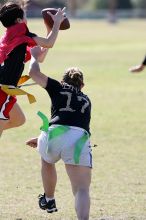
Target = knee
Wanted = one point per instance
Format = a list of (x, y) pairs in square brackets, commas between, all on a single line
[(20, 121), (81, 191), (23, 120)]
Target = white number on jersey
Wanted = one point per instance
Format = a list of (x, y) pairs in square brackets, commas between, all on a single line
[(67, 108), (80, 99)]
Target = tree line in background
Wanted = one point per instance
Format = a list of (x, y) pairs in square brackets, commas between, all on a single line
[(34, 6), (91, 4), (120, 4)]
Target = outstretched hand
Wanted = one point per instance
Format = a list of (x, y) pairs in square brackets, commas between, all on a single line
[(137, 69), (32, 142), (59, 16)]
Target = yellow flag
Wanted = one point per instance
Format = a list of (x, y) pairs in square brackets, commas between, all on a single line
[(17, 91), (23, 79)]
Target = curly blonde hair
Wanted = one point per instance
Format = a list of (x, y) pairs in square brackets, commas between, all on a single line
[(73, 76)]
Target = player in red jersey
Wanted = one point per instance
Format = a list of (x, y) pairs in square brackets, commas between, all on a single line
[(14, 52)]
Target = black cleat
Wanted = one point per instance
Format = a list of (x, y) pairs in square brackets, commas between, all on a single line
[(49, 206)]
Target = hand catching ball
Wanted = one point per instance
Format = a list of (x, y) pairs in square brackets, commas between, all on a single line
[(49, 21)]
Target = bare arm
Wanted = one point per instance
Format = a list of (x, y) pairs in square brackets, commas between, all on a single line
[(41, 53), (34, 70), (49, 41)]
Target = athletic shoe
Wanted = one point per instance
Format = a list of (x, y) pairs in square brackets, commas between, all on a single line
[(49, 206)]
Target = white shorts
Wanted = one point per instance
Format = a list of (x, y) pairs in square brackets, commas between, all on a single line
[(69, 143)]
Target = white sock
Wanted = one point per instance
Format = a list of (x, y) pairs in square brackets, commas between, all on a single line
[(48, 199)]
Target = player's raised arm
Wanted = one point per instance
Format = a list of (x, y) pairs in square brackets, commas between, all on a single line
[(42, 52), (34, 69), (49, 41)]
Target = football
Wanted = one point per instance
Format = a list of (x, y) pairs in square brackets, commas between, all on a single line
[(49, 21)]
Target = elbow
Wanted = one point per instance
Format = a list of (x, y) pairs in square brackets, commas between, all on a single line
[(41, 60), (50, 45)]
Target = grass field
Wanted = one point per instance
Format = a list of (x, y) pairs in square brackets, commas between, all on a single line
[(118, 191)]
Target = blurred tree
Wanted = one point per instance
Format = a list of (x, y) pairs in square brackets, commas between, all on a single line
[(101, 4), (1, 2), (121, 4), (139, 3), (124, 4), (51, 3), (72, 5), (56, 4), (41, 2), (23, 3)]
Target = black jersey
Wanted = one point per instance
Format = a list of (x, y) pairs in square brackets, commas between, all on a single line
[(12, 68), (69, 105)]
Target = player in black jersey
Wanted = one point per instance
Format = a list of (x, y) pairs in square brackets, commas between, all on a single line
[(67, 137), (138, 68), (13, 55)]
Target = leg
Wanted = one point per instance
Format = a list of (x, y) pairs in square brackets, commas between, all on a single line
[(2, 125), (49, 178), (17, 118), (80, 178)]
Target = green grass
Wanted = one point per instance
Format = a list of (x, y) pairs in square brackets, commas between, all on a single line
[(118, 192)]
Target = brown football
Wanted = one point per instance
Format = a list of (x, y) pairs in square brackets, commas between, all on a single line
[(49, 21)]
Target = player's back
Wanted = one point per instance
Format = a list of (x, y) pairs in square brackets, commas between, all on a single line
[(69, 106)]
